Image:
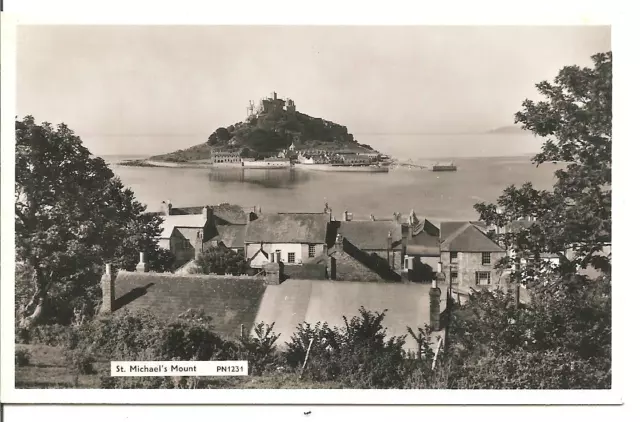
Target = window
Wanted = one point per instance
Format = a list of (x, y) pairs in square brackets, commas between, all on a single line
[(486, 258), (483, 277), (454, 277), (312, 251), (291, 257), (454, 256)]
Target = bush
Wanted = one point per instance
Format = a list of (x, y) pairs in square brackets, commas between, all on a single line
[(55, 335), (80, 361), (259, 349), (23, 357), (358, 355)]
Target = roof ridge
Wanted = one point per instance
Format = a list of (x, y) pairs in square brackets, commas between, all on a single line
[(485, 235), (457, 232)]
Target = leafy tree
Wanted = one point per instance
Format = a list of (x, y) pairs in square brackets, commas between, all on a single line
[(264, 141), (213, 139), (72, 215), (221, 260), (222, 134), (561, 340), (574, 219)]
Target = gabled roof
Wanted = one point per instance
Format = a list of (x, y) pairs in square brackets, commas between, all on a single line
[(423, 239), (468, 238), (230, 301), (231, 235), (172, 221), (296, 301), (231, 214), (288, 228), (369, 235)]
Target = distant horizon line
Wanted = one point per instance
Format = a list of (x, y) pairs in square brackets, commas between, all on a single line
[(485, 132)]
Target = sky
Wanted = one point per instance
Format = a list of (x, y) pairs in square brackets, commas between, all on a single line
[(131, 90)]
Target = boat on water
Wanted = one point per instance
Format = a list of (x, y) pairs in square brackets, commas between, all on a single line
[(444, 167), (344, 168)]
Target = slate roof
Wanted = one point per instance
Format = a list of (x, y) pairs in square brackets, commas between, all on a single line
[(225, 212), (424, 241), (229, 301), (288, 228), (297, 301), (231, 214), (172, 221), (467, 238), (369, 235), (231, 235)]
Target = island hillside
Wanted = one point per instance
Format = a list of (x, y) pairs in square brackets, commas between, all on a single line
[(271, 127)]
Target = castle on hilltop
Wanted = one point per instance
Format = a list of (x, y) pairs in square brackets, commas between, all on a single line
[(271, 104)]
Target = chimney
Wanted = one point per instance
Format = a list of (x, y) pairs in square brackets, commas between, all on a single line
[(142, 266), (108, 290), (272, 271), (434, 306), (205, 213), (338, 244), (166, 207), (346, 215)]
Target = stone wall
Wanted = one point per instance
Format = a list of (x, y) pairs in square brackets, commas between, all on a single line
[(468, 263)]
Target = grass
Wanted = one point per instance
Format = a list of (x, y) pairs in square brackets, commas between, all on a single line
[(47, 369)]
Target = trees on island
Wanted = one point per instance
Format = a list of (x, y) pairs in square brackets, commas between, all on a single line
[(71, 216)]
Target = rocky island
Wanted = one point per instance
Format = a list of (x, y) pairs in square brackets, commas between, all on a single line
[(272, 128)]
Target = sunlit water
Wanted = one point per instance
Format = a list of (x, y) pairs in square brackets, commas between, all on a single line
[(436, 195)]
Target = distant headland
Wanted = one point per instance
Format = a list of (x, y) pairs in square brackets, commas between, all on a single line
[(507, 129)]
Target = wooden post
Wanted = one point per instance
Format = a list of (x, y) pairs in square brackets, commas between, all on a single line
[(516, 292), (241, 330), (304, 365), (435, 357)]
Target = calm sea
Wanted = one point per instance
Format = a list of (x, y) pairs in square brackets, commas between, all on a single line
[(439, 196)]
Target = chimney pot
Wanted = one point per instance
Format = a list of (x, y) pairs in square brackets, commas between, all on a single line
[(142, 266)]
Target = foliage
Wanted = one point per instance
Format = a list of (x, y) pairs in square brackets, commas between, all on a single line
[(561, 340), (259, 349), (22, 357), (575, 216), (358, 355), (50, 335), (71, 216), (80, 361), (221, 260)]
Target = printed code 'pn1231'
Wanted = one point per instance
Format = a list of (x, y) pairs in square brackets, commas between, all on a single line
[(179, 368)]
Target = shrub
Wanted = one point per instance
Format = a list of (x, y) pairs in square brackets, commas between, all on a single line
[(259, 348), (80, 361), (358, 355), (55, 335), (23, 357)]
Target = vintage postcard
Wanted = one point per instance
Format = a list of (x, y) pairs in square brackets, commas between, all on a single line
[(280, 213)]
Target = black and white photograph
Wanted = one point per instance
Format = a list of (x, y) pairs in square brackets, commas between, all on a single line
[(299, 207)]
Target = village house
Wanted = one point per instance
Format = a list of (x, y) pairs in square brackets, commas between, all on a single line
[(469, 256), (236, 303), (187, 231), (225, 157), (422, 249), (353, 159), (291, 238), (366, 250), (185, 234)]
